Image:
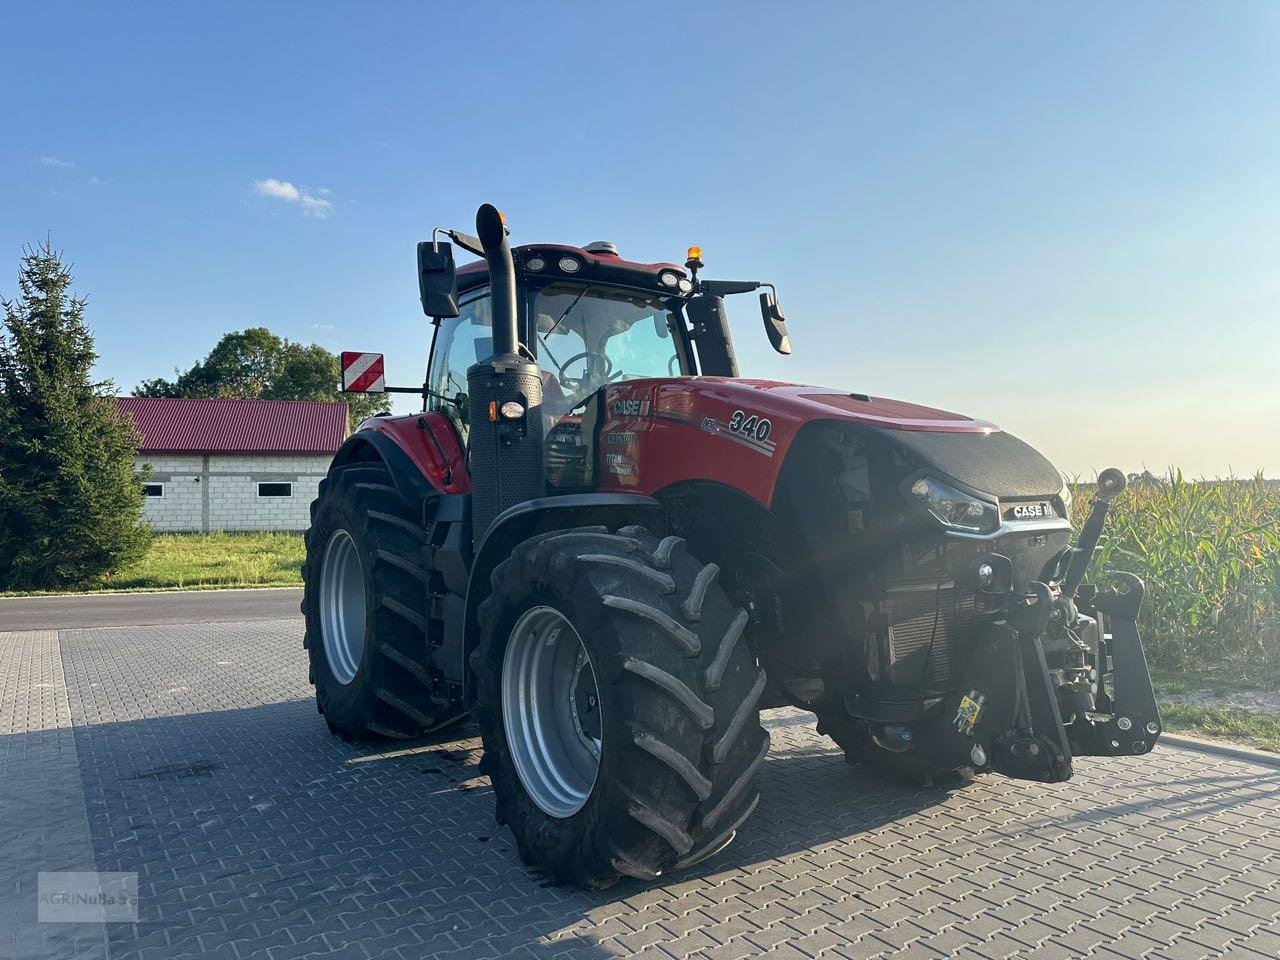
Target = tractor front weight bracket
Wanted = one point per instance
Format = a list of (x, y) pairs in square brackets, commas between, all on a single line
[(1131, 724), (1036, 746)]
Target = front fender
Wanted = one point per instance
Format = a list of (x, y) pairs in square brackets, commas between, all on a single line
[(544, 515)]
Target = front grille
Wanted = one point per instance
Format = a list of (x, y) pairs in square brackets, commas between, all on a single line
[(927, 622)]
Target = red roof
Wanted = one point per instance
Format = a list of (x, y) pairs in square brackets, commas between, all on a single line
[(189, 425)]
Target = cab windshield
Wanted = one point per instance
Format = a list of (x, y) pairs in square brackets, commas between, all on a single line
[(589, 336)]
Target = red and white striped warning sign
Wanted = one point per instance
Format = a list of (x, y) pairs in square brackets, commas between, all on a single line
[(363, 373)]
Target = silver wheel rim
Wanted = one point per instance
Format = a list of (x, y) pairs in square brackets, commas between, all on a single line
[(342, 612), (551, 711)]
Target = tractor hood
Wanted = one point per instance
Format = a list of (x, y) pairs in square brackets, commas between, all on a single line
[(806, 403), (975, 452), (754, 423)]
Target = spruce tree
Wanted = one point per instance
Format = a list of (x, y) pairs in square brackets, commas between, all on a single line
[(70, 499)]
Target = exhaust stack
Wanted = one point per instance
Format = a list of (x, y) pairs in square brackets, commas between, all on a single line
[(492, 232), (505, 446)]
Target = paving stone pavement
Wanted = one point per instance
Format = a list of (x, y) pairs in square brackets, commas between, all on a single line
[(193, 755)]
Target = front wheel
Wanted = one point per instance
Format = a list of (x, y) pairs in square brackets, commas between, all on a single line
[(618, 701)]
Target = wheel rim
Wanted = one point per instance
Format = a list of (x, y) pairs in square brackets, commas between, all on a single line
[(342, 607), (551, 711)]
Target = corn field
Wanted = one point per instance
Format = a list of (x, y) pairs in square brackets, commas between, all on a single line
[(1209, 552)]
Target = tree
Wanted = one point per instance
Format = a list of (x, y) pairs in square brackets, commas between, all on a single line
[(257, 364), (70, 499), (1147, 479)]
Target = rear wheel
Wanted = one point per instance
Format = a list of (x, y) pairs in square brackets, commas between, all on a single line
[(618, 701), (364, 586)]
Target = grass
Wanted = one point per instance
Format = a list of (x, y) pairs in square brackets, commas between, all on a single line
[(1261, 730), (204, 560)]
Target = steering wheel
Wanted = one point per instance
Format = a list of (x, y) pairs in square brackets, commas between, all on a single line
[(598, 369)]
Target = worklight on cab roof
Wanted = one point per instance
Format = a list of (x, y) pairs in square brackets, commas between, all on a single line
[(569, 265), (669, 278), (535, 264)]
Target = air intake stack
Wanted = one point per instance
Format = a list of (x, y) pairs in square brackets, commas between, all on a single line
[(504, 392)]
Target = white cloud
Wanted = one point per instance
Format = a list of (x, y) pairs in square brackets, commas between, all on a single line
[(56, 162), (280, 189), (312, 205), (316, 206)]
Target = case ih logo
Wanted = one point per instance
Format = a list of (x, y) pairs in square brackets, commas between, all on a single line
[(1029, 511), (363, 373), (630, 408)]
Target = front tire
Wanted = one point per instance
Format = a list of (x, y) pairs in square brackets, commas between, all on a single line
[(363, 599), (675, 689)]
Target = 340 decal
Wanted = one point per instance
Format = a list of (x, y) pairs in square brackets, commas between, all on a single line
[(750, 425)]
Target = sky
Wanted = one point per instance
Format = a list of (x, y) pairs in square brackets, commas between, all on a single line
[(1061, 218)]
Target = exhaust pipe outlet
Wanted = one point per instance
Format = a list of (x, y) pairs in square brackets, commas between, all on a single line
[(492, 232), (505, 448)]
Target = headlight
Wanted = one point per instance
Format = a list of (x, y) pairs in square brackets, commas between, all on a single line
[(955, 509)]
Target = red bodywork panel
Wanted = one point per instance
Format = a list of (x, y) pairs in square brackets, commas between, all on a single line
[(412, 438), (663, 431), (736, 432)]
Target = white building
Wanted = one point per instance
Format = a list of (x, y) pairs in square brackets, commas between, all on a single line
[(233, 464)]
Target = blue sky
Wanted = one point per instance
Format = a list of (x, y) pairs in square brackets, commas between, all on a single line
[(1060, 218)]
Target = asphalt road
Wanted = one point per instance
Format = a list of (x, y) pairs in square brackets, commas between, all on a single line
[(139, 609)]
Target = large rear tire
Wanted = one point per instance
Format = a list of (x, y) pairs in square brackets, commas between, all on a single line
[(364, 589), (656, 679)]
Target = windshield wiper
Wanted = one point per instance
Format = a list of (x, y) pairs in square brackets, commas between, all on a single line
[(543, 337), (567, 309)]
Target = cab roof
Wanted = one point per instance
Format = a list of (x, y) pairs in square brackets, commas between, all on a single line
[(597, 265)]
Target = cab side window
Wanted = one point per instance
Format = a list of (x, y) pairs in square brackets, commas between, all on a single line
[(460, 342)]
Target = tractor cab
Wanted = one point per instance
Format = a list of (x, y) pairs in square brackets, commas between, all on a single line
[(589, 319)]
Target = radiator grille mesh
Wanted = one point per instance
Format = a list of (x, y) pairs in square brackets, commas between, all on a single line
[(925, 625)]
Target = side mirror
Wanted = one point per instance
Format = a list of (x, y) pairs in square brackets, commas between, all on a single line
[(775, 324), (437, 280)]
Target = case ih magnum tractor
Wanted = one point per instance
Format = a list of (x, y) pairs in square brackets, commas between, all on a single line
[(614, 552)]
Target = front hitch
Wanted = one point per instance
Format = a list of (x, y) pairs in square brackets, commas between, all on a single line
[(1109, 704), (1128, 720), (1035, 747)]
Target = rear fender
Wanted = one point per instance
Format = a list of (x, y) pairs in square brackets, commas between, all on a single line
[(423, 453), (544, 515)]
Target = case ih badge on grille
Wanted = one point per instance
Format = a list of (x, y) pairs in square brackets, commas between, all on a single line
[(363, 373)]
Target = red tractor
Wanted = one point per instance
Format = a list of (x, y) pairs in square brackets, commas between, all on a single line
[(613, 552)]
